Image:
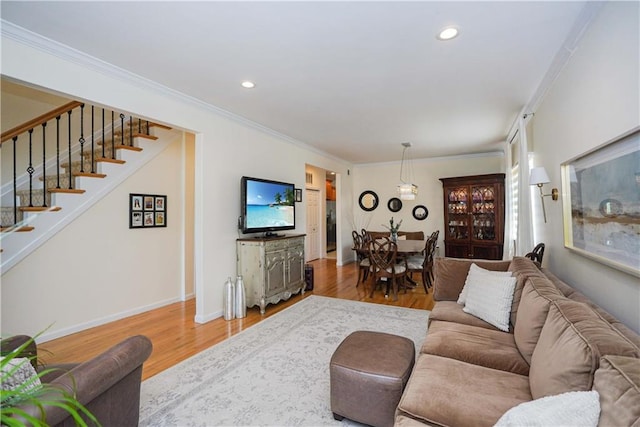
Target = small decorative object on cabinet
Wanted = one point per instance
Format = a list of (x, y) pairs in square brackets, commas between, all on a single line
[(474, 216), (272, 268)]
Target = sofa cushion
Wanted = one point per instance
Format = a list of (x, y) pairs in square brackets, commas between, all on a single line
[(440, 391), (521, 268), (476, 274), (480, 346), (405, 421), (537, 295), (575, 408), (490, 299), (451, 273), (568, 352), (451, 311), (575, 295), (18, 373), (618, 383)]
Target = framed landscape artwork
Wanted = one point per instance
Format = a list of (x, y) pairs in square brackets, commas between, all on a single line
[(601, 203), (147, 210)]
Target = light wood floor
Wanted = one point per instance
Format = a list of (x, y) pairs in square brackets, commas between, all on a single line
[(176, 336)]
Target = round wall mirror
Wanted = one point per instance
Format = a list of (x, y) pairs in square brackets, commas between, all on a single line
[(394, 204), (368, 200), (420, 212)]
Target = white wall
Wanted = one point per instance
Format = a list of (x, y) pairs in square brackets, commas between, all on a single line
[(97, 269), (595, 98), (383, 178), (226, 149)]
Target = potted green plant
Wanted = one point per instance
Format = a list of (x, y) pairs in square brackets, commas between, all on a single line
[(393, 228), (34, 392)]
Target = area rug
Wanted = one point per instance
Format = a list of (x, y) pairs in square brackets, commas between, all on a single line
[(275, 373)]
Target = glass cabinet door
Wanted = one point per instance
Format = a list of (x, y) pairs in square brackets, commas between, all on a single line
[(458, 206), (483, 212)]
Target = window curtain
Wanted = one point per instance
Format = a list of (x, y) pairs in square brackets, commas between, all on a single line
[(511, 196), (525, 226), (519, 229)]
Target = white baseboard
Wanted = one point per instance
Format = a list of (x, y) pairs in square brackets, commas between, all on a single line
[(117, 316), (208, 317)]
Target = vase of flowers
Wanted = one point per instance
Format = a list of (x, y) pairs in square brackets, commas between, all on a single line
[(393, 229)]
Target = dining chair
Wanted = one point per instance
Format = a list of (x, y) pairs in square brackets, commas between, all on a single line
[(383, 257), (362, 257), (536, 254), (423, 264), (427, 268), (415, 235)]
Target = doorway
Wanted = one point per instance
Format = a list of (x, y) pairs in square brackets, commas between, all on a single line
[(313, 224), (330, 217)]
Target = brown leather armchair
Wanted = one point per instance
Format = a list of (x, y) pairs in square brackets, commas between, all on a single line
[(107, 385)]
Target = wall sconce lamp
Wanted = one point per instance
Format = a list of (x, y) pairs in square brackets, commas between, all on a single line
[(539, 177)]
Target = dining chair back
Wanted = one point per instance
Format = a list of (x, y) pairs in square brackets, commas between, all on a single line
[(414, 235), (536, 254), (383, 255), (423, 263), (430, 251), (362, 257)]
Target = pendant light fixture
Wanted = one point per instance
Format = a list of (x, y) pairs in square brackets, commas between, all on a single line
[(406, 190)]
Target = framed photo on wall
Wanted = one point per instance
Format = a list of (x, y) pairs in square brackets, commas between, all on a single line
[(147, 210), (601, 203)]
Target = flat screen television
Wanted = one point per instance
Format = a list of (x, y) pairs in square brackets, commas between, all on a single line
[(267, 206)]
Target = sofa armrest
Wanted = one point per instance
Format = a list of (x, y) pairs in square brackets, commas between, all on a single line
[(108, 385), (11, 344), (451, 273)]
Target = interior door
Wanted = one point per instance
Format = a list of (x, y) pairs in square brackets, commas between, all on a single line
[(313, 224)]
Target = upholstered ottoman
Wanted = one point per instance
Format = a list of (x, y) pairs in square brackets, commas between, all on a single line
[(368, 373)]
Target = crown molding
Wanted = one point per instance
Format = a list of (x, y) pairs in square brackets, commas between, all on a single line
[(67, 53), (436, 159)]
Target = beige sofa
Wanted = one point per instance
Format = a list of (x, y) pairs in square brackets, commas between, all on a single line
[(469, 373)]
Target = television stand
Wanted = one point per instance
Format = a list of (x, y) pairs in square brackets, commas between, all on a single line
[(272, 269), (271, 234)]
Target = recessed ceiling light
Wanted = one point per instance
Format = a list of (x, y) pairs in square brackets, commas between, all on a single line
[(448, 33), (248, 85)]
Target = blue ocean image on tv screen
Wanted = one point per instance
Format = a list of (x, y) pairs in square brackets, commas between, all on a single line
[(269, 205)]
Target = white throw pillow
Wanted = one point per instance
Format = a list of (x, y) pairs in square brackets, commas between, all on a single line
[(489, 297), (474, 271), (18, 371), (575, 408)]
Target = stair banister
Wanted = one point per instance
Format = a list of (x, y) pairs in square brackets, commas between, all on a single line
[(38, 121)]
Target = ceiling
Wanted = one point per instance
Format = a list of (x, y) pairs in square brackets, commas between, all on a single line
[(353, 79)]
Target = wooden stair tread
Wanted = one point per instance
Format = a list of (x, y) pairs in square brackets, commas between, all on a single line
[(64, 176), (110, 160), (39, 208), (116, 147), (90, 175), (145, 136), (66, 190), (128, 147), (19, 229)]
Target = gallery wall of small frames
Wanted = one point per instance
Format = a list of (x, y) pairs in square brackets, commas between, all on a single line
[(147, 210)]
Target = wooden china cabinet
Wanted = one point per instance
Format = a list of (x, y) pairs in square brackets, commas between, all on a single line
[(474, 216)]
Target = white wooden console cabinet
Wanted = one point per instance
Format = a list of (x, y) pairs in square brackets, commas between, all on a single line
[(272, 268)]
